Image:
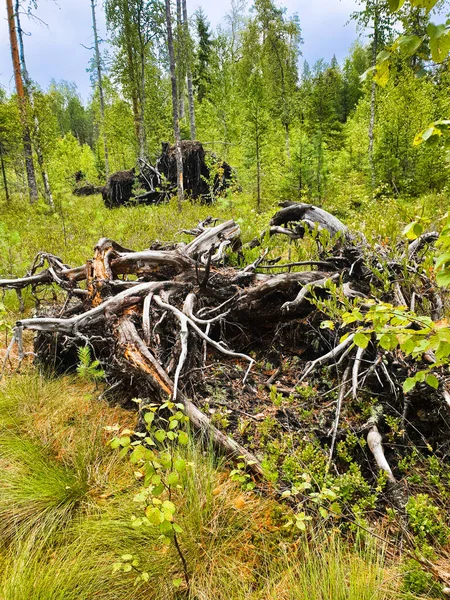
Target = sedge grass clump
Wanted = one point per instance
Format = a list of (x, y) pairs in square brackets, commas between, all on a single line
[(37, 494)]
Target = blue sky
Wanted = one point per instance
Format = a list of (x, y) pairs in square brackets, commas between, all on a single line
[(57, 52)]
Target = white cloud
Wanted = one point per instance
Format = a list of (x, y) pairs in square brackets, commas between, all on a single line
[(56, 51)]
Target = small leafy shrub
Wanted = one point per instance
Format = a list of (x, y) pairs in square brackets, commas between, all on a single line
[(416, 582), (153, 455), (425, 520)]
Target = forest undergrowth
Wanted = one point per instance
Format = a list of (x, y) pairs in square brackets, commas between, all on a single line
[(67, 499)]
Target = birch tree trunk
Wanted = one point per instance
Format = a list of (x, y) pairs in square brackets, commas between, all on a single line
[(100, 87), (26, 137), (180, 48), (373, 98), (176, 122), (30, 101), (142, 136), (189, 73)]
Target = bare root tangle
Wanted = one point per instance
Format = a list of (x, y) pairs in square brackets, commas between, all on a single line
[(183, 321), (159, 181)]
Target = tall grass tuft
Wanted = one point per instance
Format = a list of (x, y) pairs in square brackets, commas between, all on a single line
[(37, 494)]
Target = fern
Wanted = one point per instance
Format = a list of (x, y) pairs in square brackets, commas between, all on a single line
[(87, 368)]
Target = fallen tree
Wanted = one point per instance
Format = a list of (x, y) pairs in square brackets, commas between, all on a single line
[(186, 320), (204, 177)]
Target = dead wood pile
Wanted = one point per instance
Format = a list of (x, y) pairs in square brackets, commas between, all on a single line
[(193, 322), (204, 177)]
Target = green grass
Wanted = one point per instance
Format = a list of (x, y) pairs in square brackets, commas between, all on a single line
[(65, 517), (79, 223), (66, 501)]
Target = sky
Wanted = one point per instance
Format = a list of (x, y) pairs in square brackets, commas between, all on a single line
[(56, 50)]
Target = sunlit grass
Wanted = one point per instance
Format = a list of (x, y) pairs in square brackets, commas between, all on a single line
[(66, 501), (66, 504)]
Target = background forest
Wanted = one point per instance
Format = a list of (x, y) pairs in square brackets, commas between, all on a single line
[(316, 134)]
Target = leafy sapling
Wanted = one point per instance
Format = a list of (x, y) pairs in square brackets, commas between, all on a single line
[(156, 460)]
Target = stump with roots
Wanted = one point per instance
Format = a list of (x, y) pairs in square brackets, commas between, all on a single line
[(204, 177), (182, 321)]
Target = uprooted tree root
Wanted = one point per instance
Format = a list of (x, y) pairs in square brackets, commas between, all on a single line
[(229, 342)]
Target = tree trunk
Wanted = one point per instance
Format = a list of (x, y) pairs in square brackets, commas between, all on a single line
[(189, 74), (176, 122), (5, 180), (372, 100), (142, 136), (288, 142), (100, 87), (30, 100), (28, 152), (132, 67), (180, 48), (258, 166)]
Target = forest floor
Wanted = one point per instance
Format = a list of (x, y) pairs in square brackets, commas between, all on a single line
[(67, 500)]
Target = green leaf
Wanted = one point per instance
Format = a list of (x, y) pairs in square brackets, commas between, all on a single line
[(443, 350), (301, 525), (123, 452), (408, 384), (115, 443), (126, 557), (160, 435), (420, 376), (336, 508), (394, 5), (323, 512), (408, 345), (427, 4), (413, 230), (156, 479), (183, 438), (409, 44), (158, 490), (173, 478), (383, 56), (432, 381), (180, 465), (381, 76), (388, 341), (149, 417), (169, 507), (173, 424), (154, 515), (362, 339), (439, 42), (177, 582), (442, 259), (443, 278)]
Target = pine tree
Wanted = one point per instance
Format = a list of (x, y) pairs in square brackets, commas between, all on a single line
[(23, 105)]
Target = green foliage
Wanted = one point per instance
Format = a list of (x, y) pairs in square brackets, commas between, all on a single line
[(87, 368), (163, 473), (244, 479), (417, 582), (398, 327), (443, 259), (426, 520)]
